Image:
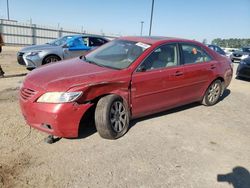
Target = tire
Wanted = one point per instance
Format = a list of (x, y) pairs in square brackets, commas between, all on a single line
[(50, 59), (111, 117), (213, 93)]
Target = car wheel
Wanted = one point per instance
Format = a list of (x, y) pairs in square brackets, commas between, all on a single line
[(50, 59), (213, 93), (111, 117)]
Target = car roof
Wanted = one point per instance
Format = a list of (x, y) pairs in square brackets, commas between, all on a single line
[(84, 35), (154, 39)]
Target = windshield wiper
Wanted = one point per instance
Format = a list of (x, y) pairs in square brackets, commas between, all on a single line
[(83, 57)]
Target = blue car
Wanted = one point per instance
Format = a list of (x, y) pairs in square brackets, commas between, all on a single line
[(63, 48)]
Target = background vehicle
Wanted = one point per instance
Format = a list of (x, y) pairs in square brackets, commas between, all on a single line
[(229, 51), (123, 79), (62, 48), (1, 42), (243, 70), (241, 54), (217, 49)]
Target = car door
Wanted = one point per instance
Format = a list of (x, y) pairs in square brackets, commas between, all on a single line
[(157, 82), (198, 71), (75, 47), (95, 42)]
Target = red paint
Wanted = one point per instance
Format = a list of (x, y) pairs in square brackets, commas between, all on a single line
[(145, 92)]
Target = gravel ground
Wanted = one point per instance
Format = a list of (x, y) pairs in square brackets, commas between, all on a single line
[(185, 147)]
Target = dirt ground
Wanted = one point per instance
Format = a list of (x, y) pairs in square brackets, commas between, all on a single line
[(191, 146)]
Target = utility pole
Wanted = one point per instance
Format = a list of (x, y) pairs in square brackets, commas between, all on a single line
[(151, 18), (8, 10), (142, 22)]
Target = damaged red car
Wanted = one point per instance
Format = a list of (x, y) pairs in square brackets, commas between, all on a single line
[(124, 79)]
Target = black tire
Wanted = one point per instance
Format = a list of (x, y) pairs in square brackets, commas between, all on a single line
[(213, 93), (111, 117), (50, 59)]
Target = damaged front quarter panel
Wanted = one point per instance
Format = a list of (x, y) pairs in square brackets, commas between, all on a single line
[(93, 91)]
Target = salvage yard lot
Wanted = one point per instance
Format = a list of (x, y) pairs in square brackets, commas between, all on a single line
[(185, 147)]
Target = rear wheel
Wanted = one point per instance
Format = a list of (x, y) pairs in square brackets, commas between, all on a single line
[(213, 93), (50, 59), (111, 117)]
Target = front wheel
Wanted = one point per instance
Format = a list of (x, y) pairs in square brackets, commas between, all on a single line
[(213, 93), (50, 59), (111, 117)]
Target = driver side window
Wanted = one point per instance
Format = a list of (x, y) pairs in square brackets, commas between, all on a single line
[(161, 57)]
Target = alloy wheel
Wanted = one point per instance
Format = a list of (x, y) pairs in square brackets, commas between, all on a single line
[(118, 117), (214, 93)]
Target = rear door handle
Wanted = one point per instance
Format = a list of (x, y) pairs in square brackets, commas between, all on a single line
[(213, 66), (178, 73)]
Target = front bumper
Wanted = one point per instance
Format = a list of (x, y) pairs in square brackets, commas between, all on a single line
[(237, 58), (29, 61), (60, 120)]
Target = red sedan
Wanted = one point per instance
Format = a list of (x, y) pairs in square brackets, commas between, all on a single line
[(126, 78)]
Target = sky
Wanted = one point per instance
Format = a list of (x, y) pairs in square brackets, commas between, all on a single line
[(191, 19)]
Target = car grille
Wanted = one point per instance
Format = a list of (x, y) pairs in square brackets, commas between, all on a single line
[(20, 59), (26, 93)]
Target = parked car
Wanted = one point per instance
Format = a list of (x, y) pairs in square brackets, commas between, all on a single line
[(127, 78), (243, 70), (241, 54), (217, 49), (63, 48), (230, 51)]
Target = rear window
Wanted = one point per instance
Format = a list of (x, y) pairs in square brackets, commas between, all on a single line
[(194, 54)]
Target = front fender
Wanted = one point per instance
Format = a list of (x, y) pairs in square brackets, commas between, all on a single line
[(95, 90)]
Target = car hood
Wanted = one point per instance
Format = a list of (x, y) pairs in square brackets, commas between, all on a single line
[(38, 47), (64, 75)]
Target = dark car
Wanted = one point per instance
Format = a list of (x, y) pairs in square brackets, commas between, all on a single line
[(239, 55), (217, 49), (243, 70), (127, 78)]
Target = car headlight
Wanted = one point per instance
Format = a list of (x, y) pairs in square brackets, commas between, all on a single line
[(59, 97), (33, 53), (244, 56)]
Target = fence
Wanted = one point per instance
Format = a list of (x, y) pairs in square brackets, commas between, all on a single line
[(15, 33)]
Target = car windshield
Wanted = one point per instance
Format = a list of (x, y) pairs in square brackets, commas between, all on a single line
[(60, 41), (117, 54), (246, 49)]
